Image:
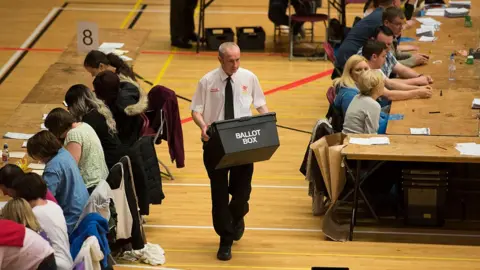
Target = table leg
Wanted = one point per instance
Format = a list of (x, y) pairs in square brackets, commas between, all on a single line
[(355, 200)]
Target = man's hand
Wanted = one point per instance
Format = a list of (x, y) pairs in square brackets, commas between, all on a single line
[(420, 59), (425, 92), (205, 137), (430, 79)]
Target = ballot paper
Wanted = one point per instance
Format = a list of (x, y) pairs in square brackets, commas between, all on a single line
[(424, 32), (420, 131), (39, 172), (428, 21), (126, 58), (370, 141), (65, 103), (476, 103), (24, 144), (45, 116), (2, 204), (469, 149), (18, 136), (465, 4), (36, 166), (427, 39), (111, 45), (43, 127)]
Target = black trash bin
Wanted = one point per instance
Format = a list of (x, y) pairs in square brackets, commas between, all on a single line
[(243, 140)]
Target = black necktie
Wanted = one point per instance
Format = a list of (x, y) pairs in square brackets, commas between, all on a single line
[(229, 112)]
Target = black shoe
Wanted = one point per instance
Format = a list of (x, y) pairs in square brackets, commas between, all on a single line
[(224, 251), (239, 229), (181, 44), (193, 37)]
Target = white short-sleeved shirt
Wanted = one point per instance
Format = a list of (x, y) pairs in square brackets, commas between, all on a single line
[(209, 98), (51, 219)]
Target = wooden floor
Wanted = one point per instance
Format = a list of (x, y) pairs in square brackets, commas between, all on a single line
[(281, 232)]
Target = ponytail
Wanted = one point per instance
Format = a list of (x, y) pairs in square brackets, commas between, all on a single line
[(120, 66)]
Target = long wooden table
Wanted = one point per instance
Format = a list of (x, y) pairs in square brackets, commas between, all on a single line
[(404, 148), (448, 112)]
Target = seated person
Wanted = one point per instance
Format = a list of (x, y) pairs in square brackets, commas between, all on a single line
[(411, 77), (87, 108), (19, 211), (61, 174), (346, 87), (363, 114), (393, 19), (32, 188), (376, 52), (125, 102), (22, 248), (81, 140), (360, 33), (11, 172), (277, 13)]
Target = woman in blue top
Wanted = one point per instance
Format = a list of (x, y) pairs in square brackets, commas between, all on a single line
[(61, 175), (346, 88)]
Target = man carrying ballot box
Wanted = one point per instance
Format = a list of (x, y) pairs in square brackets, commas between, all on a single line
[(227, 93)]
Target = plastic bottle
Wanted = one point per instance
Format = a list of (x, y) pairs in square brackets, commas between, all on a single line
[(451, 68), (5, 153)]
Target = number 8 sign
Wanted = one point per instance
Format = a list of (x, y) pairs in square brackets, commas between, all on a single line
[(87, 36)]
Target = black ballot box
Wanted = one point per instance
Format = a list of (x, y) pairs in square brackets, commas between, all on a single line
[(243, 140)]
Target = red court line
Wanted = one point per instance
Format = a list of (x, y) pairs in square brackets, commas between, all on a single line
[(31, 49), (286, 86)]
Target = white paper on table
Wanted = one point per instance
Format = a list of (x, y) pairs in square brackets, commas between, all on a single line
[(45, 116), (420, 131), (428, 21), (42, 126), (370, 141), (428, 27), (476, 103), (453, 2), (36, 166), (2, 204), (439, 12), (65, 103), (15, 154), (427, 39), (39, 172), (470, 149), (125, 58), (19, 136), (425, 32), (457, 10), (24, 144)]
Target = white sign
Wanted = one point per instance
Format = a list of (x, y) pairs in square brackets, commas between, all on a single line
[(87, 36)]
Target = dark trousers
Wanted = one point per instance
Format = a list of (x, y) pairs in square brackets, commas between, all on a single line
[(182, 24), (277, 12), (235, 181)]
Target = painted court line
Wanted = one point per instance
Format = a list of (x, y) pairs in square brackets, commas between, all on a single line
[(165, 66), (287, 86), (130, 14), (142, 266), (255, 186), (319, 230), (27, 43), (210, 266)]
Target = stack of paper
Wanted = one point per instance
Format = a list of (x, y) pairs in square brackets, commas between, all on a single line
[(420, 131), (476, 103), (456, 12), (15, 154), (460, 4), (427, 39), (36, 166), (428, 21), (45, 116), (110, 47), (469, 149), (370, 141)]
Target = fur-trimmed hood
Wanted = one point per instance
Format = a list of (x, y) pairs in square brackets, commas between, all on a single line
[(129, 89)]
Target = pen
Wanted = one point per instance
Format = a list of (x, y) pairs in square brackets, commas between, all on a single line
[(434, 112), (441, 147)]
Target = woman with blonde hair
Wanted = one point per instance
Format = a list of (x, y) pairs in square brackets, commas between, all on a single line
[(363, 114), (345, 85), (19, 211), (87, 108)]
